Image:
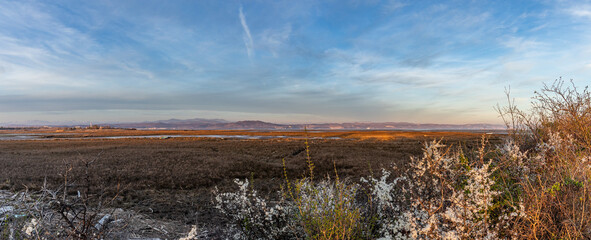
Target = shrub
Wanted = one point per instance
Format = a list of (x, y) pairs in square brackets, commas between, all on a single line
[(553, 175), (326, 209), (254, 217), (439, 196)]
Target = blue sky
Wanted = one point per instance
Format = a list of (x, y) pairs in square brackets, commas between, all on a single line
[(284, 61)]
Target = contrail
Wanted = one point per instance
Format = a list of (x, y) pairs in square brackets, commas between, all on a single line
[(247, 38)]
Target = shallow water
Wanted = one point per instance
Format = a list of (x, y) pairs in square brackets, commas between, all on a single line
[(20, 136), (35, 136), (189, 136), (250, 137)]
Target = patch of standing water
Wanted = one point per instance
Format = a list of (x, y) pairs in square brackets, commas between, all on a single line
[(249, 137), (7, 137), (189, 136), (20, 136)]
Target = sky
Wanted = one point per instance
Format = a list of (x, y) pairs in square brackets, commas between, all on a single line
[(285, 61)]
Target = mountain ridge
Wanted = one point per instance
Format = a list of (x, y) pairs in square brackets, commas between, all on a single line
[(221, 124)]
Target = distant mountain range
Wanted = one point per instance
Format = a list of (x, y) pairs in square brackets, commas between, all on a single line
[(220, 124)]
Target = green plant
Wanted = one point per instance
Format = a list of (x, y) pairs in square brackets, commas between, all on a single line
[(325, 209)]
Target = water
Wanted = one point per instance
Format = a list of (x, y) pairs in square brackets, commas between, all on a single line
[(20, 136), (38, 136), (189, 136)]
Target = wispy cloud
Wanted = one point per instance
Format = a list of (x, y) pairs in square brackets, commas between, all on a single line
[(393, 5), (274, 40), (247, 36), (580, 11), (521, 44)]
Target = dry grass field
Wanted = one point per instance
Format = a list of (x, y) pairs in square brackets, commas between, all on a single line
[(173, 178)]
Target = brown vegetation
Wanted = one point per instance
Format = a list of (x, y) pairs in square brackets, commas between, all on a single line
[(556, 190), (173, 178)]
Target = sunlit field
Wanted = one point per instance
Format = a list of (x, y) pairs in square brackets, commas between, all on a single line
[(170, 180)]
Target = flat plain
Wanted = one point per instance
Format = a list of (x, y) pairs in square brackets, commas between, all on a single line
[(173, 178)]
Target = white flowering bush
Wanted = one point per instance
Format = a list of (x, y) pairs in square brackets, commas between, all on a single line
[(254, 217), (438, 196), (318, 210)]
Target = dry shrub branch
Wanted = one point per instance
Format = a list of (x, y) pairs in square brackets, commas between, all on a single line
[(553, 174), (73, 210)]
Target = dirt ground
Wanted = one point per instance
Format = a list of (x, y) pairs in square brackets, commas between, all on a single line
[(172, 179)]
